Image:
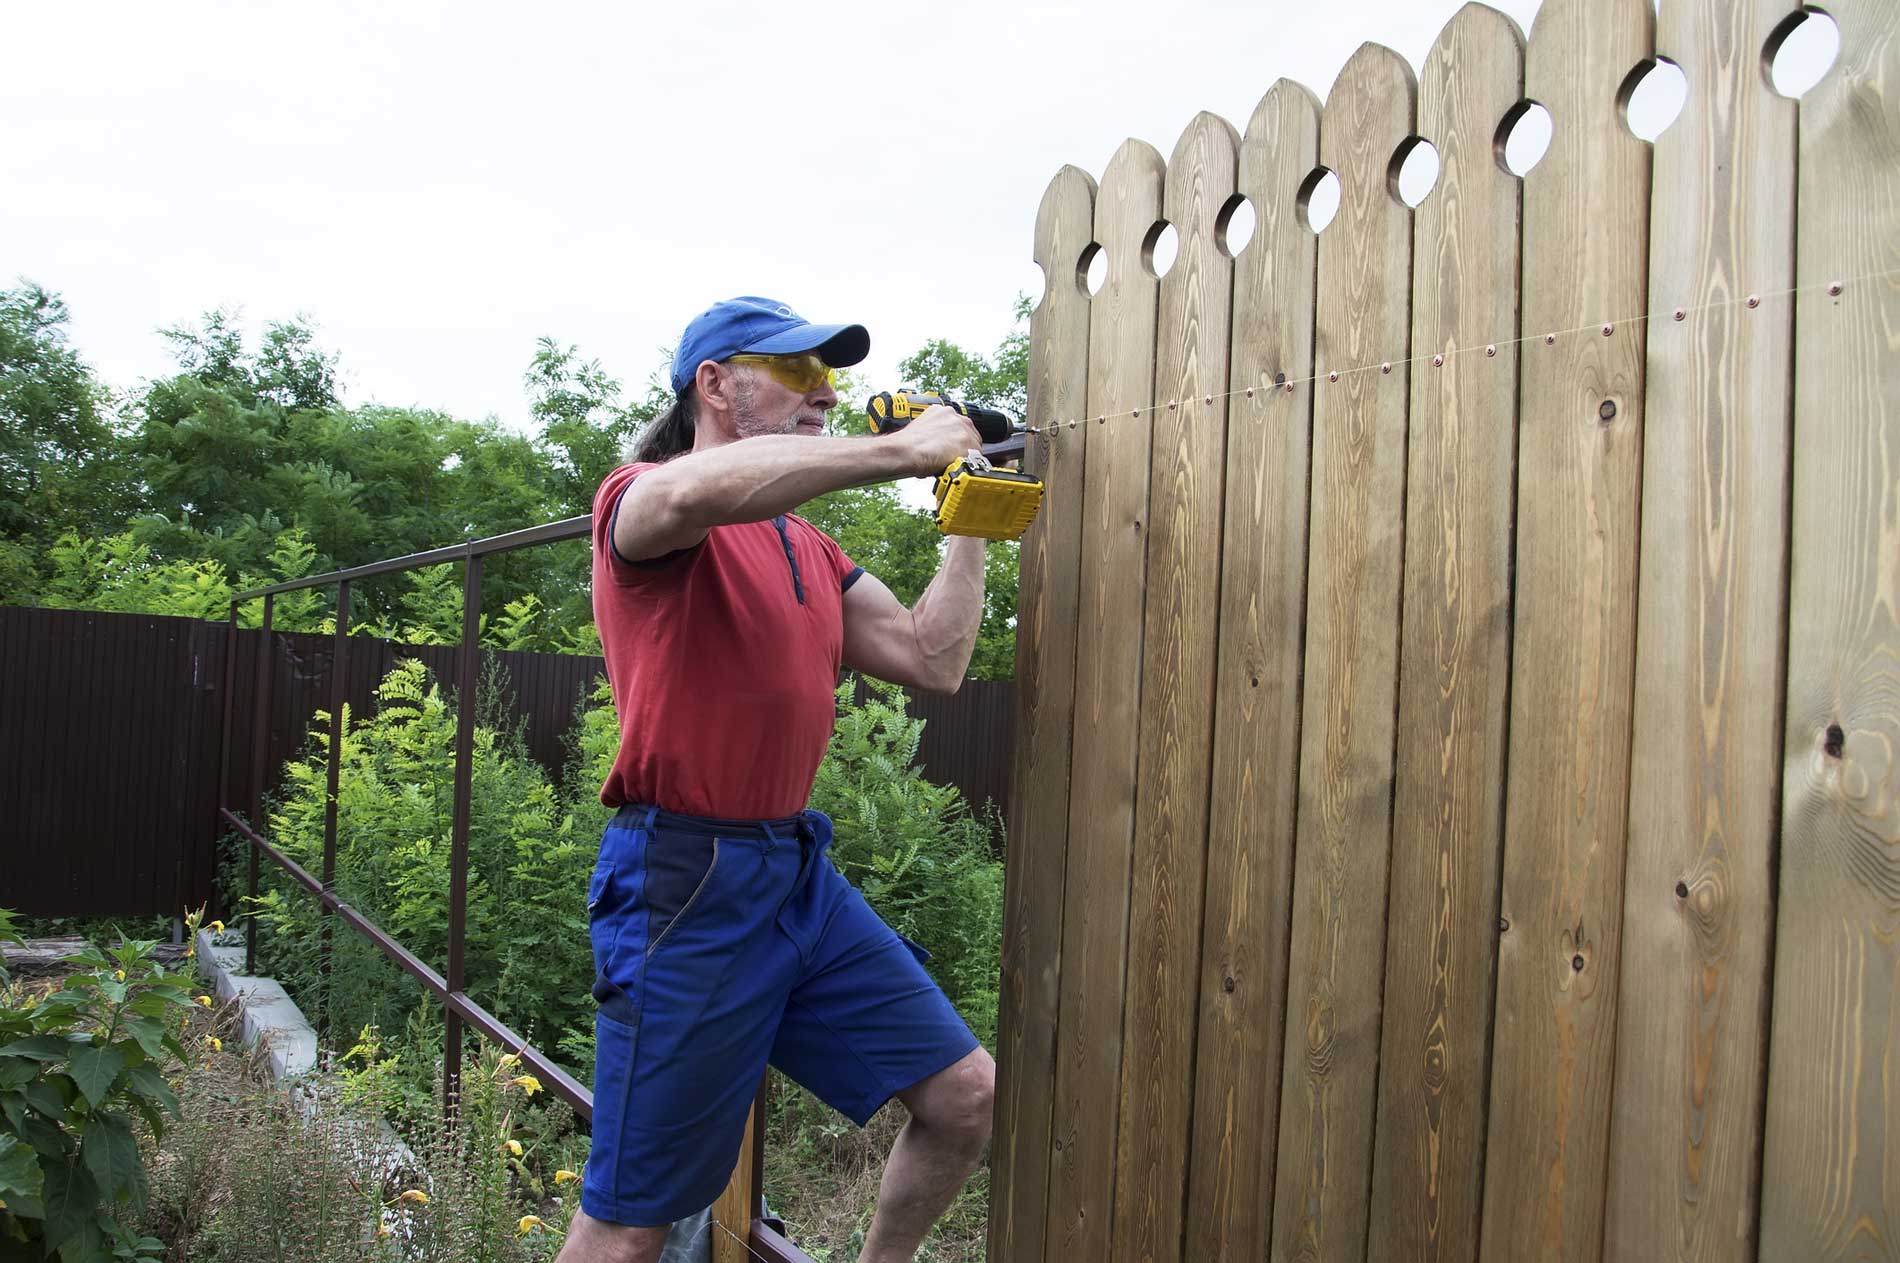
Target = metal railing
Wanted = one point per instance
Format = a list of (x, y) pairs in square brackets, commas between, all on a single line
[(458, 1007)]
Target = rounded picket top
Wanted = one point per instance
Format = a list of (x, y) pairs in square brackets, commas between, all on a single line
[(1065, 228)]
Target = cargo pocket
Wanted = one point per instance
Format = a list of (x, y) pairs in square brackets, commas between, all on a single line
[(603, 927)]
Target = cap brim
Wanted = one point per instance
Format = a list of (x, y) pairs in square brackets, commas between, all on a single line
[(838, 345)]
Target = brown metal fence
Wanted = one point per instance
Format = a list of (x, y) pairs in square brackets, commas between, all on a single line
[(110, 743)]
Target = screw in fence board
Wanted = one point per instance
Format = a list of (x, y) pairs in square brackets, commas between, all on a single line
[(260, 762), (468, 676), (1330, 1075), (1585, 226), (1242, 985), (1454, 659), (1046, 633), (339, 673), (1107, 707), (1832, 1144)]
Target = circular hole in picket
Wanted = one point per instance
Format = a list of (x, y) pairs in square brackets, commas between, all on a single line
[(1319, 199), (1159, 248), (1233, 229), (1091, 270), (1413, 171), (1801, 51), (1652, 97), (1035, 287), (1523, 138)]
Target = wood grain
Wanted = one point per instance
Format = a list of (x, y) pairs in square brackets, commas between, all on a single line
[(1249, 896), (1189, 459), (1831, 1172), (1454, 657), (1107, 714), (1046, 623), (1586, 218), (1330, 1075), (1698, 899)]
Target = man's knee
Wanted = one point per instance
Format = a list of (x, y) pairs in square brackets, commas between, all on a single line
[(961, 1100)]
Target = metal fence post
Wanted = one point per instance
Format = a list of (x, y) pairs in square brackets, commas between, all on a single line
[(469, 669), (224, 753), (259, 762), (339, 671)]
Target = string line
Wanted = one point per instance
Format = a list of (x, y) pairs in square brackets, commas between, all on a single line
[(1439, 359)]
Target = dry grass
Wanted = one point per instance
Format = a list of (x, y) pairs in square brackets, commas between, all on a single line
[(821, 1177)]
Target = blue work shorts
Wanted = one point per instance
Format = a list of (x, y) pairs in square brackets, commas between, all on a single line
[(720, 945)]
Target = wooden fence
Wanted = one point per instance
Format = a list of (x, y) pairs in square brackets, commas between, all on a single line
[(1458, 747)]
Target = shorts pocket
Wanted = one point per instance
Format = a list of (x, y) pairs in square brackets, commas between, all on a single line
[(680, 871)]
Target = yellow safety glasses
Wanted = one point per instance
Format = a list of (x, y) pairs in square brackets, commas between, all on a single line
[(803, 373)]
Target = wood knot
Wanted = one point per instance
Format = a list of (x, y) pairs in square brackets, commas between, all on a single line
[(1682, 890), (1836, 742), (1228, 984)]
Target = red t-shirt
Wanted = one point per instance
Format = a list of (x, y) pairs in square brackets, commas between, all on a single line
[(723, 661)]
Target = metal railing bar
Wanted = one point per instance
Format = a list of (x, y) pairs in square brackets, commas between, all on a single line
[(554, 1078)]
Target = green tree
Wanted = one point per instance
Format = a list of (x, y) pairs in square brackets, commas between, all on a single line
[(1001, 381), (584, 428), (61, 464)]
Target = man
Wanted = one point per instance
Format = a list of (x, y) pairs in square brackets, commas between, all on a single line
[(723, 937)]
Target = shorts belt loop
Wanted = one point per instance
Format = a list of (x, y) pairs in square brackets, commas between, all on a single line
[(646, 826), (771, 837)]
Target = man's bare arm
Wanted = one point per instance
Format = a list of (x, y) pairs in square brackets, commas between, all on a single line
[(927, 646), (756, 479)]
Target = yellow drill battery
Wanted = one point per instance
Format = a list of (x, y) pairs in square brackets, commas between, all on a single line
[(974, 498)]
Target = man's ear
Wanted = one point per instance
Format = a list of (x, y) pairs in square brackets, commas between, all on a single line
[(715, 386)]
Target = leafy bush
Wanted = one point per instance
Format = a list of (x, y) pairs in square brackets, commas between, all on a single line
[(529, 852), (76, 1067)]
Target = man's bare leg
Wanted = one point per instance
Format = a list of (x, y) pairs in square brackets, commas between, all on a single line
[(934, 1154), (591, 1240)]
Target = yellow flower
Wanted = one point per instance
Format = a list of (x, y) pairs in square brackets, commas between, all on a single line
[(513, 1147), (217, 927), (564, 1176), (119, 974), (205, 1000), (415, 1195), (216, 1044), (382, 1230), (508, 1059), (527, 1225), (527, 1083)]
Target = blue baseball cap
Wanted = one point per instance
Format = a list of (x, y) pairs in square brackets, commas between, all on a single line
[(762, 326)]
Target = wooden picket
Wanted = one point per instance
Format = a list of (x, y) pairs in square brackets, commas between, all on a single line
[(1831, 1175), (1399, 868)]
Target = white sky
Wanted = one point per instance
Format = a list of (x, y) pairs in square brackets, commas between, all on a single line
[(437, 185)]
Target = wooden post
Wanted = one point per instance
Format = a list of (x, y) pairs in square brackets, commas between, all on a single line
[(738, 1206)]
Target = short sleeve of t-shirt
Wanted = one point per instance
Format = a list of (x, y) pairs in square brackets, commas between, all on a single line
[(847, 573), (606, 511)]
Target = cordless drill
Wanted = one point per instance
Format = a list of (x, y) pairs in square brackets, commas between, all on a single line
[(973, 496)]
